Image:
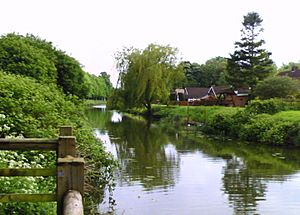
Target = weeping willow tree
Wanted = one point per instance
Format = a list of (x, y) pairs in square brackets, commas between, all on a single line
[(147, 76)]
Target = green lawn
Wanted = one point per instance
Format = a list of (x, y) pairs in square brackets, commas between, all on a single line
[(293, 116), (195, 113)]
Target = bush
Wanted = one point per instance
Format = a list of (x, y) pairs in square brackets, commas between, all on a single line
[(238, 121), (265, 129), (220, 124), (31, 109), (277, 87), (270, 106)]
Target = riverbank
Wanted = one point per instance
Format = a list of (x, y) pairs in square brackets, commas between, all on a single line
[(272, 122), (34, 110), (91, 102)]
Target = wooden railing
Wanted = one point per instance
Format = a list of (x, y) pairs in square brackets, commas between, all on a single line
[(69, 172)]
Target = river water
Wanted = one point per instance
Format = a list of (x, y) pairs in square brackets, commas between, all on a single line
[(186, 173)]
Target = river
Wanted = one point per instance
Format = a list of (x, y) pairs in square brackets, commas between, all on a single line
[(164, 172)]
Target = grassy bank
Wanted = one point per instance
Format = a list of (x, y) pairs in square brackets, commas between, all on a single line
[(268, 122), (192, 113), (91, 102)]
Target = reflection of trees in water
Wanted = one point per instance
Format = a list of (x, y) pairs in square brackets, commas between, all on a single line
[(243, 188), (248, 168), (247, 171), (141, 152), (98, 117)]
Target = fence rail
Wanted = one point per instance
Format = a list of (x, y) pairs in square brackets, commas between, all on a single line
[(69, 171)]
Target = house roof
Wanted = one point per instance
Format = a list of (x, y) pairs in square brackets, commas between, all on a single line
[(220, 89), (196, 92), (292, 73), (216, 90)]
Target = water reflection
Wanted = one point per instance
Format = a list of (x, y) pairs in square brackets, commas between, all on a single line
[(249, 171), (185, 173), (143, 154), (244, 190)]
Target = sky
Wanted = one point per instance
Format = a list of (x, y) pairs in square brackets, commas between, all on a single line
[(92, 31)]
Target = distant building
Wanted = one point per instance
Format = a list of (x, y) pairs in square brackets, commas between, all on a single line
[(196, 93), (294, 73), (215, 95)]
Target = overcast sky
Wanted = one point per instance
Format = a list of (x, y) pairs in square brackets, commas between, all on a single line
[(92, 31)]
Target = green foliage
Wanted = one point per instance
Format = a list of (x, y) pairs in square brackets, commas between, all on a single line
[(265, 129), (205, 75), (31, 56), (100, 87), (226, 123), (219, 124), (70, 75), (249, 63), (291, 116), (18, 56), (197, 113), (31, 109), (148, 75), (270, 106), (108, 84), (277, 87), (116, 100)]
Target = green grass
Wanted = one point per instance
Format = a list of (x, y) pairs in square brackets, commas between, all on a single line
[(203, 113), (194, 113), (292, 116)]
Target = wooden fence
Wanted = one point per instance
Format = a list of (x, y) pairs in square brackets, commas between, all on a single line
[(69, 172)]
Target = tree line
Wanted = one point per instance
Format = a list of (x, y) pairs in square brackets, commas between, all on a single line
[(149, 75), (37, 58)]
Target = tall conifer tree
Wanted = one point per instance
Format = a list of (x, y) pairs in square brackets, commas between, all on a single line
[(250, 62)]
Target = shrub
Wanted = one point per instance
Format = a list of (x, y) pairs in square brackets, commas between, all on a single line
[(220, 124), (238, 121), (265, 129), (277, 87), (32, 109), (255, 127), (270, 106)]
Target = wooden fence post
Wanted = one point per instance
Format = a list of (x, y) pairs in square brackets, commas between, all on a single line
[(65, 131), (70, 176), (70, 170), (66, 143)]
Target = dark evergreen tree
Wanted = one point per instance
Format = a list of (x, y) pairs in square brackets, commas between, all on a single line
[(250, 62), (205, 75), (193, 74)]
